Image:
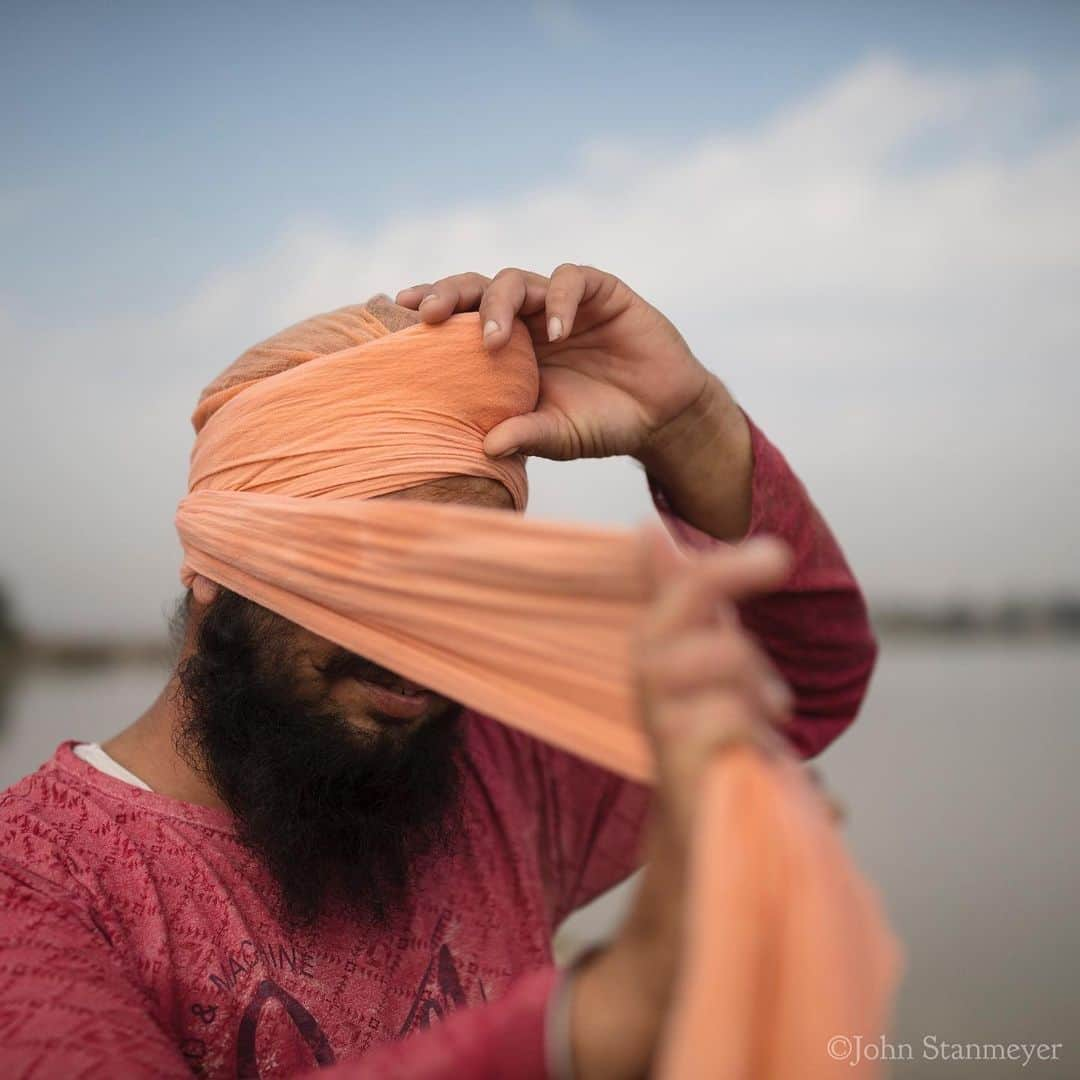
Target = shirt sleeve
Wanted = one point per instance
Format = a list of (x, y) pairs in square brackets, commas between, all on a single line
[(67, 1008), (496, 1041), (815, 629), (592, 828)]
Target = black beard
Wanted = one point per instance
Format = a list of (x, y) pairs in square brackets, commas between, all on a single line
[(338, 816)]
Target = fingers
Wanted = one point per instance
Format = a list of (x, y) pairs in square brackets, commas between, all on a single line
[(722, 656), (545, 432), (412, 296), (435, 303), (664, 562), (687, 739), (706, 586), (499, 300), (703, 683), (564, 294), (512, 293), (517, 435)]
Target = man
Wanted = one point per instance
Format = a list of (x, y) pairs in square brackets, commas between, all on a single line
[(298, 859)]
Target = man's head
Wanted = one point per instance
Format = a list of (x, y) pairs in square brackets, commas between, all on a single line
[(343, 776)]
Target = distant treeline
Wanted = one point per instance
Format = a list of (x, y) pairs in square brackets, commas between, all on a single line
[(86, 652), (1055, 616), (19, 649)]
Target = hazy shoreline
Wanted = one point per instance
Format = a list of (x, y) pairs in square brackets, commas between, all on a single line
[(1057, 619)]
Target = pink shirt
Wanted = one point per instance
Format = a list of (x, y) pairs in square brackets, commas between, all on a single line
[(136, 938)]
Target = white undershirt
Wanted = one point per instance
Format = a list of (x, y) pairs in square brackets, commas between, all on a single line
[(92, 754)]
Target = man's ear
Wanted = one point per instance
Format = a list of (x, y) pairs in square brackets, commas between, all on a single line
[(204, 590)]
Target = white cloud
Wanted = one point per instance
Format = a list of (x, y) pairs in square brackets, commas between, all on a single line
[(887, 289)]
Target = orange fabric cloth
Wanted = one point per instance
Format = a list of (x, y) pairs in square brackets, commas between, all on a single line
[(787, 952), (396, 411), (529, 622)]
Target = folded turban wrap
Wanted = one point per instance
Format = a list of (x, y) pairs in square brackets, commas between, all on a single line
[(786, 945)]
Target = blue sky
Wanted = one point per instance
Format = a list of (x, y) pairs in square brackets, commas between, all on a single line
[(147, 143), (864, 217)]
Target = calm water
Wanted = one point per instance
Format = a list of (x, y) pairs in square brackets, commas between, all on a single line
[(962, 780)]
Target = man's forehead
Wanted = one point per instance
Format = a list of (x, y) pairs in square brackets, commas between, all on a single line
[(466, 490)]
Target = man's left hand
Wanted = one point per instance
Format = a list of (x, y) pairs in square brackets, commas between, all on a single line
[(616, 377), (613, 370)]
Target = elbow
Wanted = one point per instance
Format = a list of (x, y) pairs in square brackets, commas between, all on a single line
[(829, 705), (864, 661)]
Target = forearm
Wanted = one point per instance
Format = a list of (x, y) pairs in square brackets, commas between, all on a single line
[(703, 461), (502, 1038), (608, 1030), (815, 629), (614, 1022)]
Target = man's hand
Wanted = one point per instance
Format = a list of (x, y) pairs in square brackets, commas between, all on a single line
[(613, 370), (703, 686), (616, 377)]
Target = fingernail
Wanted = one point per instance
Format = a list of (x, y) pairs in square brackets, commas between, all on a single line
[(430, 296), (490, 327), (554, 328), (509, 452)]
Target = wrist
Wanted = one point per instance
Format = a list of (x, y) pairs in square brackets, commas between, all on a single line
[(615, 1014), (704, 426), (703, 461)]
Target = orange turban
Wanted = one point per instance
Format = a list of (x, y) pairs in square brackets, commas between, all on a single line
[(529, 622), (392, 410)]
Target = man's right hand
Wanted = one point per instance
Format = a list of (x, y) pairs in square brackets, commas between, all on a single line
[(703, 685)]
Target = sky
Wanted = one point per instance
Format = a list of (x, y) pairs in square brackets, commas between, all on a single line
[(864, 218)]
